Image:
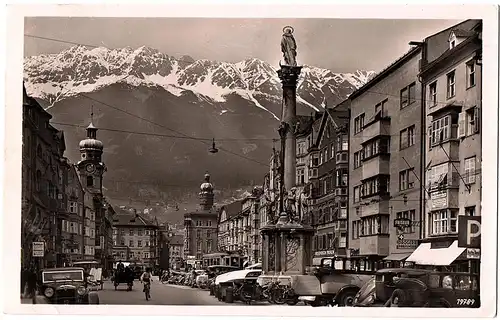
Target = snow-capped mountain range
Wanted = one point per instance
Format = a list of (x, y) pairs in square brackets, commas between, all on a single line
[(55, 77)]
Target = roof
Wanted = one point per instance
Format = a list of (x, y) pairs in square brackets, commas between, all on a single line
[(385, 72), (461, 33), (131, 220), (232, 209), (305, 123)]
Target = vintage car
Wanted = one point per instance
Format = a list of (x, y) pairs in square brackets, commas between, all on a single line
[(328, 284), (214, 271), (229, 286), (405, 287), (65, 286)]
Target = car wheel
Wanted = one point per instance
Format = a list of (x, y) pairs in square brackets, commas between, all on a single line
[(346, 299)]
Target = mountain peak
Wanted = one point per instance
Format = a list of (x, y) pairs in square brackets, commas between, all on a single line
[(83, 70)]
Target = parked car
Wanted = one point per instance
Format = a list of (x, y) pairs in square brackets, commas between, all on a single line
[(65, 286), (229, 286), (405, 287), (325, 285)]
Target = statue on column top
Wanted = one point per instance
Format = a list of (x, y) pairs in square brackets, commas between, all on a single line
[(289, 47)]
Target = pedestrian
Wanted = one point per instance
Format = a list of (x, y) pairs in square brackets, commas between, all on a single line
[(31, 283), (24, 280)]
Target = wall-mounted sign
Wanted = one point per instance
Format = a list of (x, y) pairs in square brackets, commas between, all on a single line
[(439, 199), (469, 232), (324, 253), (473, 253), (38, 249), (406, 244), (402, 223)]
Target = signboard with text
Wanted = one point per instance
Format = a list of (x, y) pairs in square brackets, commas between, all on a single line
[(469, 232), (38, 249), (406, 244), (324, 253), (473, 253)]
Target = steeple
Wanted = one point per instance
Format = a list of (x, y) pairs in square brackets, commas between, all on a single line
[(91, 129)]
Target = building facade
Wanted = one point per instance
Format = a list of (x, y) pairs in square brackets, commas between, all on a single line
[(71, 214), (384, 162), (201, 225), (42, 184), (329, 199), (135, 238), (452, 84)]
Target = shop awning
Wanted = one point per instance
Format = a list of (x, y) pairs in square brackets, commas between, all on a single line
[(397, 256), (426, 256)]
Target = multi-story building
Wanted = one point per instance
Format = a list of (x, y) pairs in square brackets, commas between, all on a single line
[(225, 232), (201, 225), (89, 228), (384, 161), (71, 213), (329, 203), (135, 238), (43, 149), (451, 78), (176, 251)]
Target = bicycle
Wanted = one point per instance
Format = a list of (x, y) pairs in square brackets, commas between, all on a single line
[(147, 290)]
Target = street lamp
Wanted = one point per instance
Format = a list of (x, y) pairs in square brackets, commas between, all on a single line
[(213, 149)]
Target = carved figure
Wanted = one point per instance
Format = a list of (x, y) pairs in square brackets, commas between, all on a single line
[(289, 47)]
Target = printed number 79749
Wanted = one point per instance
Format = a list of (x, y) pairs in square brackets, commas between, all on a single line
[(465, 302)]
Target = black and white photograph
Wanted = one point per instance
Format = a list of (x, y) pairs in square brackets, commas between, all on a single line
[(283, 164)]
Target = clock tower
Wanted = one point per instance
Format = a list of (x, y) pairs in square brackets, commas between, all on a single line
[(90, 167)]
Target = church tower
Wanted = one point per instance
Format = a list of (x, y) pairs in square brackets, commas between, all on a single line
[(90, 167), (206, 194)]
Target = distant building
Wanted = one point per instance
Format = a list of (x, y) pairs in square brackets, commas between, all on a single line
[(135, 238), (201, 225)]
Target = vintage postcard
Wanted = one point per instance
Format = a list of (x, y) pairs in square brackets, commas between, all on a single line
[(305, 160)]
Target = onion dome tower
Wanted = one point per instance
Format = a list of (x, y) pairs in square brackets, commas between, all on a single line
[(206, 194), (90, 166)]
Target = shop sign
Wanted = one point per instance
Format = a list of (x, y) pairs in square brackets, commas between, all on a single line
[(406, 244), (469, 232), (38, 249), (324, 253), (473, 253)]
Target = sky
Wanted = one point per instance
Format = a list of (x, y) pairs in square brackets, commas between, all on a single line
[(341, 45)]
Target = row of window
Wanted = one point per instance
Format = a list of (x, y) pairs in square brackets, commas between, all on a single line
[(131, 243), (133, 232), (203, 223), (438, 175), (451, 83), (208, 248), (371, 225), (454, 126), (371, 149), (329, 241), (330, 214), (374, 186)]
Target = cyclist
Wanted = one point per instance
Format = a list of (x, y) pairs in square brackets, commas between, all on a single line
[(146, 279)]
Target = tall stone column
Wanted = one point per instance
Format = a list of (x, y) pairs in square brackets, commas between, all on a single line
[(289, 76)]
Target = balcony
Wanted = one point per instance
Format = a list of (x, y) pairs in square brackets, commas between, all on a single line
[(374, 245), (342, 158), (382, 127), (448, 148), (450, 180), (444, 199), (371, 208), (376, 166)]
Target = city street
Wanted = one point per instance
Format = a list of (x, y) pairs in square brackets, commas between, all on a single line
[(162, 294)]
